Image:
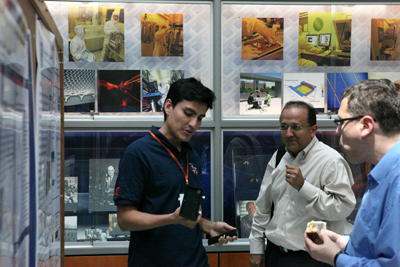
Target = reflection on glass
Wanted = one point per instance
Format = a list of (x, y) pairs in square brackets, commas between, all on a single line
[(91, 166), (246, 155)]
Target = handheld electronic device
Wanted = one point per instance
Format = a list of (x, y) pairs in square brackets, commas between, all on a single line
[(191, 202), (213, 240)]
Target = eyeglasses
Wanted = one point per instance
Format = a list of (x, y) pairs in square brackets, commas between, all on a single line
[(294, 128), (339, 122)]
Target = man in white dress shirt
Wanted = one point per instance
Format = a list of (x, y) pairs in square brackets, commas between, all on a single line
[(311, 182)]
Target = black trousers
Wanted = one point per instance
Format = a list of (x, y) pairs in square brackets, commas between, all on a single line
[(274, 257)]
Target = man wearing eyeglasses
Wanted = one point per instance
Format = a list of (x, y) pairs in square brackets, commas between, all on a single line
[(311, 182), (369, 130)]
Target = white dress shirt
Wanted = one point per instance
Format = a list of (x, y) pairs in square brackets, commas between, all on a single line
[(325, 196)]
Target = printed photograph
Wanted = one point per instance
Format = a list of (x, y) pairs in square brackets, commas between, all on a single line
[(247, 208), (307, 87), (103, 174), (71, 194), (118, 90), (155, 87), (162, 35), (336, 83), (260, 93), (71, 228), (98, 234), (393, 77), (96, 34), (79, 90), (262, 38), (384, 42), (324, 39)]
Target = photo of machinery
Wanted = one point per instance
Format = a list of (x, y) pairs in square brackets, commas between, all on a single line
[(162, 35), (155, 87)]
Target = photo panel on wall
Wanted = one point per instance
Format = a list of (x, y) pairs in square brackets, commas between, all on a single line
[(96, 34), (307, 87), (324, 39), (155, 87), (162, 35), (336, 83), (118, 90), (260, 93), (79, 90), (262, 38), (384, 42)]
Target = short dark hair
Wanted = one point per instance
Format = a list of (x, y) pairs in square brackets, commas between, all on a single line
[(311, 114), (378, 99), (189, 89)]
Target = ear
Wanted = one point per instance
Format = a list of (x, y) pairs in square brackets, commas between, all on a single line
[(168, 107), (368, 125), (314, 129)]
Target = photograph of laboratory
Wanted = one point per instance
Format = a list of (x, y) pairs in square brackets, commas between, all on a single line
[(162, 35), (384, 42), (96, 34), (155, 87), (262, 38), (324, 39), (260, 93)]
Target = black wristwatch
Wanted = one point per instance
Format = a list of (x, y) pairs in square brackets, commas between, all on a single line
[(336, 256)]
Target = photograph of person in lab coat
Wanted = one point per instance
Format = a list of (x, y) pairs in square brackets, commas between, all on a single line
[(162, 35), (109, 27), (160, 42), (77, 47), (91, 30)]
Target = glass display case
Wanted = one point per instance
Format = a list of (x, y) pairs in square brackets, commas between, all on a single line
[(219, 45)]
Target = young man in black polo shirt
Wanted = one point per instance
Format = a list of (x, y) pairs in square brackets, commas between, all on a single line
[(153, 172)]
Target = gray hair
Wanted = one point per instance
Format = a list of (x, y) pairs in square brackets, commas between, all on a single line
[(378, 99)]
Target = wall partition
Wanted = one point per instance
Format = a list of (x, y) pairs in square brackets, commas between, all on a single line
[(255, 56)]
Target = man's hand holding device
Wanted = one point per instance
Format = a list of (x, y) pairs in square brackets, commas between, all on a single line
[(229, 236)]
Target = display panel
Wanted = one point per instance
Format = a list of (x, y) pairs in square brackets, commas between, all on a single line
[(345, 39), (92, 164), (187, 41)]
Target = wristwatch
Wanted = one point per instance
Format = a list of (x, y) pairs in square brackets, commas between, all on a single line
[(336, 256)]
